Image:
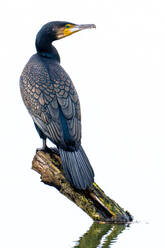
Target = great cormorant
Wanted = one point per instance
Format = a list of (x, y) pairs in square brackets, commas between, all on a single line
[(53, 103)]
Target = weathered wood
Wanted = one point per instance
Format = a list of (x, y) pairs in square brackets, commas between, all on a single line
[(93, 201)]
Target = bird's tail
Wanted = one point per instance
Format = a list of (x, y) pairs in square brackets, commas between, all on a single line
[(77, 168)]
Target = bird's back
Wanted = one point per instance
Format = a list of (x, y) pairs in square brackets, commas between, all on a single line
[(52, 101)]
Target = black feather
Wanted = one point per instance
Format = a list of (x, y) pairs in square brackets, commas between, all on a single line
[(53, 103), (77, 168)]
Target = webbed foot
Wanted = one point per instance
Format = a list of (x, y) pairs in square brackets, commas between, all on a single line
[(49, 150)]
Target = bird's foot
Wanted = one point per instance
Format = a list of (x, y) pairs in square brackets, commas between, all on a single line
[(48, 150)]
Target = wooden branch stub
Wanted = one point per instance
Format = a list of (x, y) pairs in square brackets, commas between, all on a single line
[(93, 201)]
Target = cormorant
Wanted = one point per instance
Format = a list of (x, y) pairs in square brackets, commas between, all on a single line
[(53, 103)]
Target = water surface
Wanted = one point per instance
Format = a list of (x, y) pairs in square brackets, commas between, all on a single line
[(100, 235), (137, 234)]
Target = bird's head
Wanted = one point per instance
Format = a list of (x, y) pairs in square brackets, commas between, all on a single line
[(57, 30)]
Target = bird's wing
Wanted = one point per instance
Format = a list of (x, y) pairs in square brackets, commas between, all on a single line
[(67, 99), (46, 92)]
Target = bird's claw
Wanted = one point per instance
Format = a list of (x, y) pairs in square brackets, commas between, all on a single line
[(48, 150)]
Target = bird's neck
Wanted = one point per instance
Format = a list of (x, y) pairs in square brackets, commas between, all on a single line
[(46, 49)]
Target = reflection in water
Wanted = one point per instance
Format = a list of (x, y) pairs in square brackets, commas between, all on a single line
[(100, 235)]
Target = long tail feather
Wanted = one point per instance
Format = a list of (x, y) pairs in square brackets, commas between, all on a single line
[(77, 168)]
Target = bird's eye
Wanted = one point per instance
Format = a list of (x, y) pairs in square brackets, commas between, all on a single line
[(67, 26)]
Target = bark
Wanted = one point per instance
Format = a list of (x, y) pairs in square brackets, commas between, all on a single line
[(93, 201)]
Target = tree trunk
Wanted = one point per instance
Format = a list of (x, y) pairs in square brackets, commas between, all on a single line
[(93, 201)]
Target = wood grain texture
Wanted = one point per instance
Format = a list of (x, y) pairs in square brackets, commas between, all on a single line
[(93, 201)]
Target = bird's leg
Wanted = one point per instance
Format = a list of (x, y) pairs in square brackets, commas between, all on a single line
[(45, 148)]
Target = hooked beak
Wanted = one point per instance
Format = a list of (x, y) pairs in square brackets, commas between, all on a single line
[(77, 28), (72, 28)]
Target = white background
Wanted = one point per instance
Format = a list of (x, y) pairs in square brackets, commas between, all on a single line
[(118, 71)]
